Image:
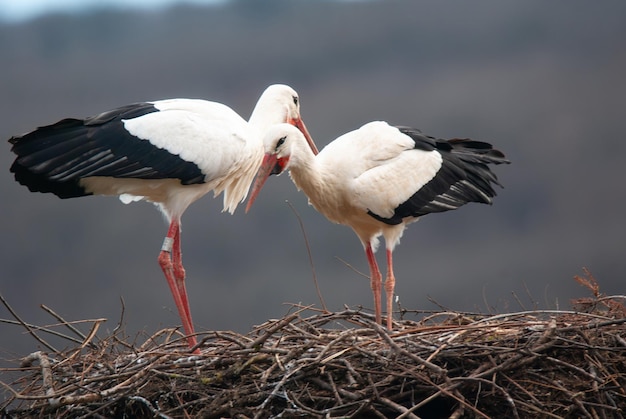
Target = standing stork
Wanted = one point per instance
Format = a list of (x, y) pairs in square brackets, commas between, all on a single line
[(378, 179), (169, 152)]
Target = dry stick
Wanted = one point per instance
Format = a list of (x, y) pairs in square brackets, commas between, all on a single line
[(534, 303), (544, 343), (197, 345), (308, 250), (517, 361), (608, 375), (63, 321), (441, 371), (536, 312), (270, 331), (310, 308), (49, 331), (498, 368), (611, 297), (334, 387), (121, 320), (343, 335), (619, 340), (579, 370), (86, 339), (573, 397), (351, 372), (538, 410), (477, 373), (514, 294), (593, 325), (435, 302), (529, 394), (457, 412), (406, 413), (274, 392), (21, 396), (326, 412), (489, 309), (451, 391), (377, 413), (307, 334), (152, 409), (129, 383), (382, 333), (226, 337), (92, 333), (352, 267), (46, 374), (507, 396), (26, 326), (152, 339)]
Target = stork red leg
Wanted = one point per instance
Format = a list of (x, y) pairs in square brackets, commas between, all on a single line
[(175, 275), (376, 281), (179, 274), (390, 284)]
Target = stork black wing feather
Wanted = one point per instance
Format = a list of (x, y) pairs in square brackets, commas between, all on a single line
[(464, 176), (55, 157)]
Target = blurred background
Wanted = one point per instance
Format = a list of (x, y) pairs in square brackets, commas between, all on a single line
[(543, 81)]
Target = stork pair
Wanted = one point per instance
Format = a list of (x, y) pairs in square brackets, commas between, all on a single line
[(376, 179)]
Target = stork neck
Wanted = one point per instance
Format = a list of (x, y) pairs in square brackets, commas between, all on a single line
[(304, 167)]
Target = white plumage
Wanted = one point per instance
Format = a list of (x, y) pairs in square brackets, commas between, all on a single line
[(378, 179)]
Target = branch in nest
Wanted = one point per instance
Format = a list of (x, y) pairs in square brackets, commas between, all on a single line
[(527, 364)]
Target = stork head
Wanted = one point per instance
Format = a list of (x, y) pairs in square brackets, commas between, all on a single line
[(278, 145), (280, 103)]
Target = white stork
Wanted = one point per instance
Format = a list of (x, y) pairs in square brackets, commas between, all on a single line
[(169, 152), (378, 179)]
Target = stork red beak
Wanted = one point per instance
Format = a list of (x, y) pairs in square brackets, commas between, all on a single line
[(270, 166), (299, 123)]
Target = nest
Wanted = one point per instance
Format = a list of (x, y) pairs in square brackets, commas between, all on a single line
[(311, 363)]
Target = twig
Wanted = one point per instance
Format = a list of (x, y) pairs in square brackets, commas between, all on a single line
[(63, 321), (44, 329), (120, 322), (530, 296), (344, 365), (507, 396), (535, 313), (405, 413), (382, 333), (26, 326), (352, 267), (518, 300), (308, 250), (152, 409), (271, 330), (46, 374), (275, 391)]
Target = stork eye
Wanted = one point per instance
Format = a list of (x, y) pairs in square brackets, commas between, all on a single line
[(295, 100), (280, 142)]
